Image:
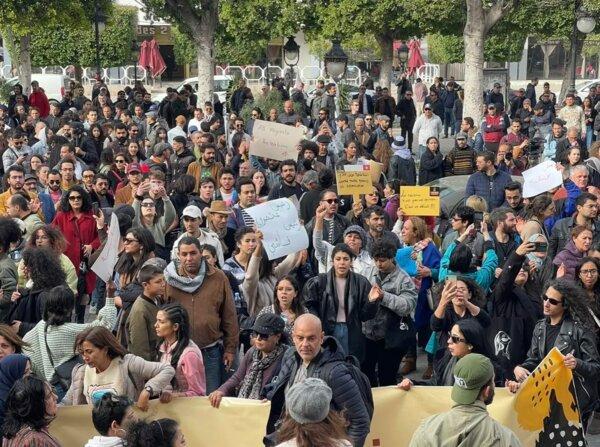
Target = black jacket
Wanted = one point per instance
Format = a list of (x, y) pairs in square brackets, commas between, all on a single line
[(403, 169), (28, 310), (340, 224), (514, 314), (573, 337), (431, 167), (346, 395), (180, 162), (407, 112), (320, 298)]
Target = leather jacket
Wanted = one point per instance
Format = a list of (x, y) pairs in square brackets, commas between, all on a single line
[(573, 337)]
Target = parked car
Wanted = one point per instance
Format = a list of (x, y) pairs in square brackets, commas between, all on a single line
[(54, 85), (221, 86), (582, 92), (453, 195)]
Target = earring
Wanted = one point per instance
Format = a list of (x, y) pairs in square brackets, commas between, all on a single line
[(470, 347)]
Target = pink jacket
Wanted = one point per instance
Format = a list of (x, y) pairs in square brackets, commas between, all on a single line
[(189, 375)]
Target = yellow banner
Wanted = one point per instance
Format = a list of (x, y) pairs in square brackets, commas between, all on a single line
[(420, 200), (353, 182)]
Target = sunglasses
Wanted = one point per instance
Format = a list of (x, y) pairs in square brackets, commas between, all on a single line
[(552, 300), (332, 201), (260, 336), (119, 161), (74, 198), (147, 205), (128, 241), (456, 339)]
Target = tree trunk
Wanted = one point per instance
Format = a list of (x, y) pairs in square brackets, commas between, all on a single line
[(386, 43), (473, 36), (24, 66), (568, 78), (205, 43)]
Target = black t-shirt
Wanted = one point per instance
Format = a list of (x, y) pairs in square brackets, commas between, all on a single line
[(552, 332)]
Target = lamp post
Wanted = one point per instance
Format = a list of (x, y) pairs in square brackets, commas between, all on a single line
[(99, 25), (135, 54), (291, 54), (336, 63), (403, 56), (585, 24)]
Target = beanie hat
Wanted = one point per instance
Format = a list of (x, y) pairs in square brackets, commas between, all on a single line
[(308, 402), (358, 230)]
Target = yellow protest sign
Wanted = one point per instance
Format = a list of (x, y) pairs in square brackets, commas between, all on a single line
[(420, 200), (353, 182)]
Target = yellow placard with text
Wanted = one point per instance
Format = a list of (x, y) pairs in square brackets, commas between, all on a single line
[(353, 182), (420, 200)]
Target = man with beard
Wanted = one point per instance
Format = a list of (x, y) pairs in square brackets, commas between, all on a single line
[(374, 218), (17, 151), (383, 132), (15, 176), (181, 158), (125, 195), (472, 391), (288, 186), (99, 192), (66, 167), (54, 190), (206, 166), (488, 182), (505, 236), (119, 144), (218, 213), (308, 153), (513, 194), (272, 174)]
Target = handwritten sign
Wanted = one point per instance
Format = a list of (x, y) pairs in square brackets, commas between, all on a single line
[(420, 200), (541, 178), (275, 141), (105, 264), (282, 232), (353, 182)]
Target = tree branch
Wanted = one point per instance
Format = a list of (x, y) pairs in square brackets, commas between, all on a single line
[(497, 11)]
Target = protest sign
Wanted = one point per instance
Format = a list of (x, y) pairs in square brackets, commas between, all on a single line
[(274, 140), (420, 200), (105, 264), (353, 182), (282, 232), (541, 178)]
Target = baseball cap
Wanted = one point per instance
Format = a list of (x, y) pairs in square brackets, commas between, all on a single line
[(30, 177), (462, 136), (427, 106), (471, 373), (133, 167), (268, 324), (325, 139), (192, 211)]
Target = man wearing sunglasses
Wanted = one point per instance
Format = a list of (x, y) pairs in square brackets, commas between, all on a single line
[(17, 150), (568, 326)]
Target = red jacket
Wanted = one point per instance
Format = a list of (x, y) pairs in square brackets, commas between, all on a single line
[(493, 128), (87, 234), (40, 101)]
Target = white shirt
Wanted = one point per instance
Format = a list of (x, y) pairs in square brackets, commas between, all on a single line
[(175, 132), (427, 127)]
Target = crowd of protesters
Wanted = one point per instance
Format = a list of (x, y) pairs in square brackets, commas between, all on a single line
[(195, 307)]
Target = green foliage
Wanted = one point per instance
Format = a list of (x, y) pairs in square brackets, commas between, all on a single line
[(185, 52), (271, 101), (5, 89), (445, 49), (60, 45)]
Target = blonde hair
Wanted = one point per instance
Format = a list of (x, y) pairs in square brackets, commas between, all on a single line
[(478, 203)]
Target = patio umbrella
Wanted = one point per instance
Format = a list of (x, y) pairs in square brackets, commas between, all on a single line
[(144, 59), (415, 60), (157, 64)]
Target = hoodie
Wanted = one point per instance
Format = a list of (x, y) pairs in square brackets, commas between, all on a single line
[(105, 441), (402, 167)]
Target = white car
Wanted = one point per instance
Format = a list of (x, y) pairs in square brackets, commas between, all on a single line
[(582, 92), (54, 85), (221, 86)]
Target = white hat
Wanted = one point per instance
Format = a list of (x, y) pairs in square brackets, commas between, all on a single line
[(192, 211), (398, 143)]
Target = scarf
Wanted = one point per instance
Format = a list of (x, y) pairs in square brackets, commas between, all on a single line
[(252, 384)]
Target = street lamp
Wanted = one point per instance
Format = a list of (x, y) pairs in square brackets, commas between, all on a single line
[(585, 24), (99, 25), (336, 61), (403, 55), (291, 55), (135, 54)]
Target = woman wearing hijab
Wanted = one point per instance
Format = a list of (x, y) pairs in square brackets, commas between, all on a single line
[(12, 368)]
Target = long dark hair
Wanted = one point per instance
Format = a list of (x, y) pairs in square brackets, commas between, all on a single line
[(157, 433), (86, 200), (44, 268), (26, 406), (101, 138), (596, 288), (177, 314), (475, 336), (296, 305), (127, 265), (326, 433), (58, 305), (575, 301)]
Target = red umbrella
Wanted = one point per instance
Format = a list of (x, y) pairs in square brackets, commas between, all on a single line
[(144, 59), (415, 60), (157, 64)]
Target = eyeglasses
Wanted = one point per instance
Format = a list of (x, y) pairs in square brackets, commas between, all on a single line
[(119, 161), (456, 339), (74, 198), (331, 201), (552, 300), (128, 241), (88, 176), (147, 205), (590, 272), (260, 336), (18, 143)]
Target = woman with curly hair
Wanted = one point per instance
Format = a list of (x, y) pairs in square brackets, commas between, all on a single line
[(587, 275), (50, 237), (45, 272), (567, 326)]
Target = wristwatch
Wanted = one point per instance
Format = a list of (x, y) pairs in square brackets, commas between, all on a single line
[(150, 391)]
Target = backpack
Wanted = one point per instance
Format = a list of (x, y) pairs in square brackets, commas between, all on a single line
[(361, 380)]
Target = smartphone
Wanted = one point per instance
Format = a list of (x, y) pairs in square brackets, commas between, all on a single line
[(451, 278), (95, 208), (541, 246), (478, 219)]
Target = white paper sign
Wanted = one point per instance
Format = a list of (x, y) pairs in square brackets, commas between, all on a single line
[(282, 232), (274, 140), (541, 178), (105, 264)]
